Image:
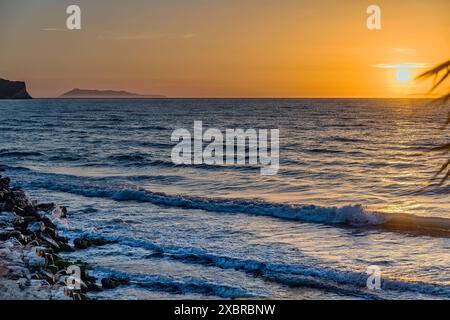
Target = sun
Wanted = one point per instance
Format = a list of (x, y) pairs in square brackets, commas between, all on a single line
[(403, 75)]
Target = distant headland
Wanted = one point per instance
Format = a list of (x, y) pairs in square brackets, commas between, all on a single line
[(106, 94), (13, 90)]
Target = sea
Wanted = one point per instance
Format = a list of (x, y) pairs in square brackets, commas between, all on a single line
[(315, 230)]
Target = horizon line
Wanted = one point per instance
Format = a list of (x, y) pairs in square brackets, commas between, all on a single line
[(233, 98)]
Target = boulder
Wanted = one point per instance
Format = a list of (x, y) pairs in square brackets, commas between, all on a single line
[(85, 243), (5, 235), (112, 283)]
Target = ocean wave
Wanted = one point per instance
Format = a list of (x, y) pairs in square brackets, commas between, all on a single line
[(351, 215), (354, 215), (294, 275), (344, 282), (65, 157), (350, 140), (138, 157), (156, 145), (323, 150), (170, 164), (181, 285), (149, 128), (145, 160), (11, 153), (139, 160)]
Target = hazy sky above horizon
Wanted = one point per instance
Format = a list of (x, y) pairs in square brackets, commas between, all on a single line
[(234, 48)]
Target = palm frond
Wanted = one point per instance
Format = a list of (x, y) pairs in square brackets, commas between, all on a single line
[(435, 70), (443, 101), (445, 147), (446, 176), (438, 83), (445, 67), (446, 97)]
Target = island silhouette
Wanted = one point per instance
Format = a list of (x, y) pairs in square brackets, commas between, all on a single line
[(106, 94)]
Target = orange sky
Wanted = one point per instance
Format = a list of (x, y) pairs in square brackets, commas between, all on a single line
[(204, 48)]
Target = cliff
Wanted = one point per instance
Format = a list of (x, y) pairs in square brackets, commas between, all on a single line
[(13, 90)]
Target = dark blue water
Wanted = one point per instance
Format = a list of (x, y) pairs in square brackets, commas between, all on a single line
[(208, 231)]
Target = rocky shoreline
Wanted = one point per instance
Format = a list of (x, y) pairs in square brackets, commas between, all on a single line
[(31, 265)]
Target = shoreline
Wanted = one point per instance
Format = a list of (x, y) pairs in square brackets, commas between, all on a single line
[(31, 263)]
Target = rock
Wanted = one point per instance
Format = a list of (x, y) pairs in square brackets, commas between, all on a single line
[(34, 226), (7, 218), (23, 283), (4, 183), (48, 222), (3, 271), (68, 292), (5, 235), (47, 254), (84, 243), (33, 260), (48, 276), (75, 294), (59, 212), (88, 278), (65, 247), (50, 261), (45, 207), (16, 273), (50, 231), (13, 90), (16, 200), (22, 227), (80, 297), (19, 211), (51, 242), (112, 283), (63, 213), (2, 200), (20, 223), (92, 287), (53, 269), (61, 263)]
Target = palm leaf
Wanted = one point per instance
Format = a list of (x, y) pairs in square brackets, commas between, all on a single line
[(446, 98), (436, 71), (445, 147), (436, 175), (445, 178), (438, 83)]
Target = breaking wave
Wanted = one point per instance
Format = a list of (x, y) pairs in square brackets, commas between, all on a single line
[(177, 286), (350, 215), (294, 275)]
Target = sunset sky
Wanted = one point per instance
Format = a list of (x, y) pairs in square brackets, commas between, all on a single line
[(233, 48)]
